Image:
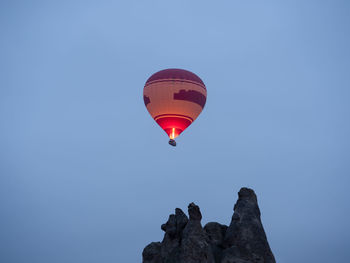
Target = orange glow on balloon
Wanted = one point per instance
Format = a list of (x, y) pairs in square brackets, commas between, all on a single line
[(174, 98)]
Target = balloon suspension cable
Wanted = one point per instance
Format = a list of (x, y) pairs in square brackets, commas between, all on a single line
[(172, 142)]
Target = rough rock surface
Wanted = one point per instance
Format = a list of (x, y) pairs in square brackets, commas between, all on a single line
[(186, 241)]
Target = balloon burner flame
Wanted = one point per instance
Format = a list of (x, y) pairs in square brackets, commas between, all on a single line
[(172, 134)]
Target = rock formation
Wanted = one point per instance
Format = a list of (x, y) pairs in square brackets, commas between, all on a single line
[(186, 241)]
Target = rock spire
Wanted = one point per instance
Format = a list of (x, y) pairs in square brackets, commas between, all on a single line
[(186, 241)]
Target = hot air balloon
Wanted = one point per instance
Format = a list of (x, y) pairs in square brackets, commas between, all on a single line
[(174, 98)]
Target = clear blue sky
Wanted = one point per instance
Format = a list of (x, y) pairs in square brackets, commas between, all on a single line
[(87, 176)]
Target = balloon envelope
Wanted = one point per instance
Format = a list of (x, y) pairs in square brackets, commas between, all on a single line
[(174, 98)]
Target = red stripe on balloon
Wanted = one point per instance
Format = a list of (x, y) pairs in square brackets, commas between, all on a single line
[(175, 74), (173, 115), (178, 80)]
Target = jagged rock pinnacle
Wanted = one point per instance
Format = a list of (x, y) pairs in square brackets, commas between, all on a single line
[(194, 212), (186, 241)]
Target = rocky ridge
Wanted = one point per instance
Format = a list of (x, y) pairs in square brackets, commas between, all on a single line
[(186, 241)]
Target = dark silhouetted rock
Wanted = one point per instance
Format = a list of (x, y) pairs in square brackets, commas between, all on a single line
[(151, 253), (186, 241), (173, 234), (195, 245)]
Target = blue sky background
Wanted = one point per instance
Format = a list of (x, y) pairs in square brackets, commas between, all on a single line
[(87, 176)]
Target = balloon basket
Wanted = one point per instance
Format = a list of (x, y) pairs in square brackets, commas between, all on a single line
[(172, 142)]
